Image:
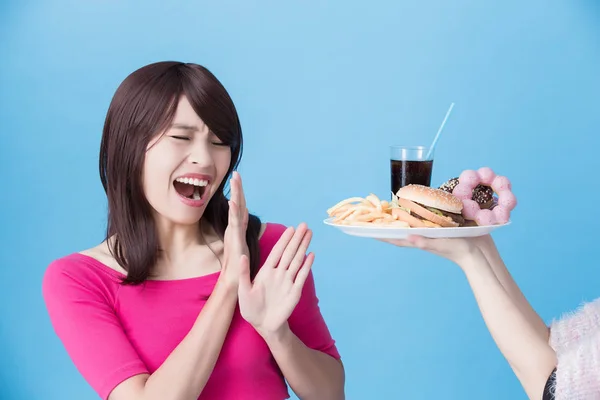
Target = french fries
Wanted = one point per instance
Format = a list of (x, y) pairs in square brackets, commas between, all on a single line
[(368, 211)]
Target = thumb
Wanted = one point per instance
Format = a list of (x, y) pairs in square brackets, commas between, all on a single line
[(245, 285)]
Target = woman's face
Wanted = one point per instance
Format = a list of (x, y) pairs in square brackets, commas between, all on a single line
[(184, 167)]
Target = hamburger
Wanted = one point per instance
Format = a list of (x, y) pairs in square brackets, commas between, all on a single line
[(422, 206)]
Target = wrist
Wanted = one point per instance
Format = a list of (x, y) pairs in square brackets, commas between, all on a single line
[(485, 243), (473, 260), (229, 277), (226, 286), (278, 337)]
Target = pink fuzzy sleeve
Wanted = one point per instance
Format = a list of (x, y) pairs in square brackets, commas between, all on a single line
[(575, 326), (578, 371)]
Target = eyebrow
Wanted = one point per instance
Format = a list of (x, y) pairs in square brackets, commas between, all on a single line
[(185, 127)]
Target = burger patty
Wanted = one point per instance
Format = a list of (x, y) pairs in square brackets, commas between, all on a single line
[(458, 218)]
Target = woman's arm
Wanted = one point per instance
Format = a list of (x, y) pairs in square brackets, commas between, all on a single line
[(184, 373), (310, 373), (488, 247), (94, 338), (529, 355), (282, 306)]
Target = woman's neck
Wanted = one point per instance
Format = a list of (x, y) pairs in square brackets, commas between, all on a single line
[(187, 249)]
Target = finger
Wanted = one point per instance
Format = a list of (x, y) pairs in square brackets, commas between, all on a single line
[(303, 273), (420, 242), (292, 247), (245, 285), (300, 255), (245, 218), (397, 242), (275, 254), (234, 219), (234, 188), (240, 200), (433, 245), (241, 194)]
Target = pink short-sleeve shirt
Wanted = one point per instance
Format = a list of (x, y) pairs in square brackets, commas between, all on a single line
[(112, 332)]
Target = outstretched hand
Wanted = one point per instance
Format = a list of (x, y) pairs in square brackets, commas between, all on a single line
[(457, 250), (235, 247), (268, 302)]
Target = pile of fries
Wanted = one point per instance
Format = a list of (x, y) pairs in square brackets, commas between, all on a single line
[(365, 211)]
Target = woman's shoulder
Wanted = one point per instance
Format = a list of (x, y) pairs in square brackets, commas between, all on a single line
[(100, 256), (84, 273), (270, 233)]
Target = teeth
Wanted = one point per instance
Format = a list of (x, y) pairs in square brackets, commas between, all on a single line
[(191, 181), (196, 193)]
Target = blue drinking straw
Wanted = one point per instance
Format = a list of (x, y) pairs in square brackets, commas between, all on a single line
[(437, 136)]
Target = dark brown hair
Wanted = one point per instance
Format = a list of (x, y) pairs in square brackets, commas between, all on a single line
[(143, 106)]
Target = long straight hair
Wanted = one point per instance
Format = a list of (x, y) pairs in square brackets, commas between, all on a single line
[(143, 106)]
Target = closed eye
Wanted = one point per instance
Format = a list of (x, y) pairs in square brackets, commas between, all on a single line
[(181, 137), (221, 144)]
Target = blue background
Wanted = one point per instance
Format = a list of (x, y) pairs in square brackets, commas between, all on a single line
[(323, 88)]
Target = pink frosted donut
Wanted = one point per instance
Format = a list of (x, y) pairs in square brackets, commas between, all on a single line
[(485, 217), (468, 181), (470, 209), (501, 183), (486, 176), (502, 214), (463, 191)]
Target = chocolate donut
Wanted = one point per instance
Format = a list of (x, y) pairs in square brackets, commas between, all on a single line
[(483, 195), (449, 185)]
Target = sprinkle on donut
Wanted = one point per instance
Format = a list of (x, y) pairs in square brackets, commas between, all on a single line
[(483, 195), (464, 190)]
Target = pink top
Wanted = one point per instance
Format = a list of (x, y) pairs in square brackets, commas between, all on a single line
[(112, 332), (575, 337)]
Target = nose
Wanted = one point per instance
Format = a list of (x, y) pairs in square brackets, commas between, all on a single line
[(200, 154)]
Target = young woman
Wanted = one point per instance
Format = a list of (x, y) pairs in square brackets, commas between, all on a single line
[(559, 362), (189, 297)]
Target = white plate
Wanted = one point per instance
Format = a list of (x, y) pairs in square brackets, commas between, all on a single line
[(394, 232)]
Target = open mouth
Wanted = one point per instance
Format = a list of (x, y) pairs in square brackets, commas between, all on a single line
[(190, 188)]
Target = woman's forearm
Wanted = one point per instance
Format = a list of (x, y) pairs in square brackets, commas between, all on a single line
[(530, 356), (185, 372), (490, 251), (310, 373)]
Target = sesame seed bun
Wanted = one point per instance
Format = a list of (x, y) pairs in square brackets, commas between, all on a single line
[(418, 199)]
